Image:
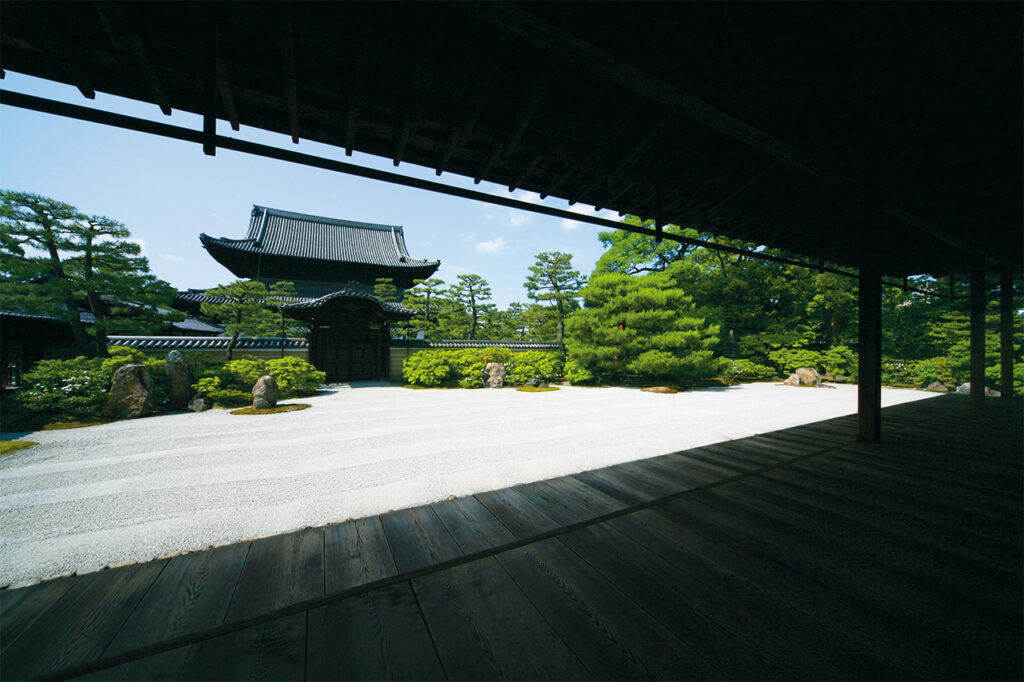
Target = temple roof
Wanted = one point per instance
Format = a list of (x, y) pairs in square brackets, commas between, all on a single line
[(349, 249)]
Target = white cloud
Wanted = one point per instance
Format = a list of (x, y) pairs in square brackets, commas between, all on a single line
[(494, 246), (519, 218), (171, 257), (570, 224)]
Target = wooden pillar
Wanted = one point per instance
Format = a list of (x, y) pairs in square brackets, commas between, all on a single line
[(869, 333), (977, 333), (1006, 333)]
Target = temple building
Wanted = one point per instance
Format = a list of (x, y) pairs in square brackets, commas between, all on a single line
[(334, 265)]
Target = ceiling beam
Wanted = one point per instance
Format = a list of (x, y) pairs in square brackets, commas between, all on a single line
[(291, 89), (355, 87), (422, 81), (505, 149), (61, 54), (483, 86), (226, 95)]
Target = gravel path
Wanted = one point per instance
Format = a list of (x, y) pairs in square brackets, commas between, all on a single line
[(134, 490)]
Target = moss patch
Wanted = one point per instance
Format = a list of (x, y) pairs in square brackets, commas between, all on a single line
[(273, 410), (658, 389), (536, 389), (9, 446), (60, 426)]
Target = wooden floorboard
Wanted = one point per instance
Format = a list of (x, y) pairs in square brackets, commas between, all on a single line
[(797, 554)]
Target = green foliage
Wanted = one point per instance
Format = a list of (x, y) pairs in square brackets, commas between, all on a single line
[(742, 368), (55, 259), (463, 368), (933, 369), (65, 389), (231, 383), (640, 326), (552, 279), (838, 361), (467, 303), (248, 308), (221, 395), (576, 373)]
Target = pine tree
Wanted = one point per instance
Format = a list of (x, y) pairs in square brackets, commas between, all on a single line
[(247, 308), (640, 325), (471, 294), (55, 259), (553, 280)]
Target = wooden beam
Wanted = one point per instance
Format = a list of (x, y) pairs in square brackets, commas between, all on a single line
[(61, 54), (506, 148), (581, 114), (355, 87), (209, 85), (422, 80), (483, 86), (1006, 310), (639, 150), (977, 333), (869, 349), (291, 89), (226, 95), (607, 144)]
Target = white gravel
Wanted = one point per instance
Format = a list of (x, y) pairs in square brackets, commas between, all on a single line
[(133, 490)]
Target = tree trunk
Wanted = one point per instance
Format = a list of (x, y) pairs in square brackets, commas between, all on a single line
[(77, 328), (100, 325)]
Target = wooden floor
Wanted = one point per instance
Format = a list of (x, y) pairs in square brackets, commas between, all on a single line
[(798, 554)]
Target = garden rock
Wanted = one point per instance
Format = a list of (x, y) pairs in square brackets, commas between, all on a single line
[(537, 382), (792, 380), (659, 389), (129, 392), (200, 403), (808, 376), (495, 372), (989, 392), (264, 393), (179, 380), (937, 387)]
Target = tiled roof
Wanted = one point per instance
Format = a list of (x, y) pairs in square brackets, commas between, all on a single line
[(307, 304), (463, 343), (191, 324), (206, 342), (85, 316), (283, 233)]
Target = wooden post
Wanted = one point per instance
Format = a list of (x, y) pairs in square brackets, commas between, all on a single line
[(977, 333), (869, 334), (1006, 333)]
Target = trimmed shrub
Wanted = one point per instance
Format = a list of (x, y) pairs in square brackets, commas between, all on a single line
[(746, 369), (840, 360), (575, 373), (65, 389), (231, 382), (463, 367)]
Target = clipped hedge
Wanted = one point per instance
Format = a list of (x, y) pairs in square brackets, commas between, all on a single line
[(230, 384), (743, 369), (463, 367)]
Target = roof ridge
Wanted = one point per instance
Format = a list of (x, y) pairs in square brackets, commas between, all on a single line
[(340, 222)]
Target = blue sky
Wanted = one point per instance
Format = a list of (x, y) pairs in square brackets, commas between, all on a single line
[(167, 192)]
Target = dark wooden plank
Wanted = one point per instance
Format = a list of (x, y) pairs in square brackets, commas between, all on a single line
[(271, 651), (792, 643), (379, 635), (80, 625), (165, 666), (642, 578), (355, 553), (903, 544), (777, 624), (977, 635), (976, 531), (630, 485), (829, 564), (21, 607), (516, 513), (567, 500), (680, 471), (418, 538), (873, 628), (927, 465), (192, 593), (753, 446), (611, 635), (485, 628), (472, 525), (279, 571)]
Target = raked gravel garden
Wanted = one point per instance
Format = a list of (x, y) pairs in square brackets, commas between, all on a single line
[(133, 490)]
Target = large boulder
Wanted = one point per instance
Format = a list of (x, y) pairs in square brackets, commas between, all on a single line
[(989, 392), (495, 374), (937, 387), (536, 382), (129, 392), (808, 376), (179, 380), (264, 393)]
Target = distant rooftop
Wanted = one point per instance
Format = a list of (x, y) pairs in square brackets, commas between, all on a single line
[(298, 246)]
